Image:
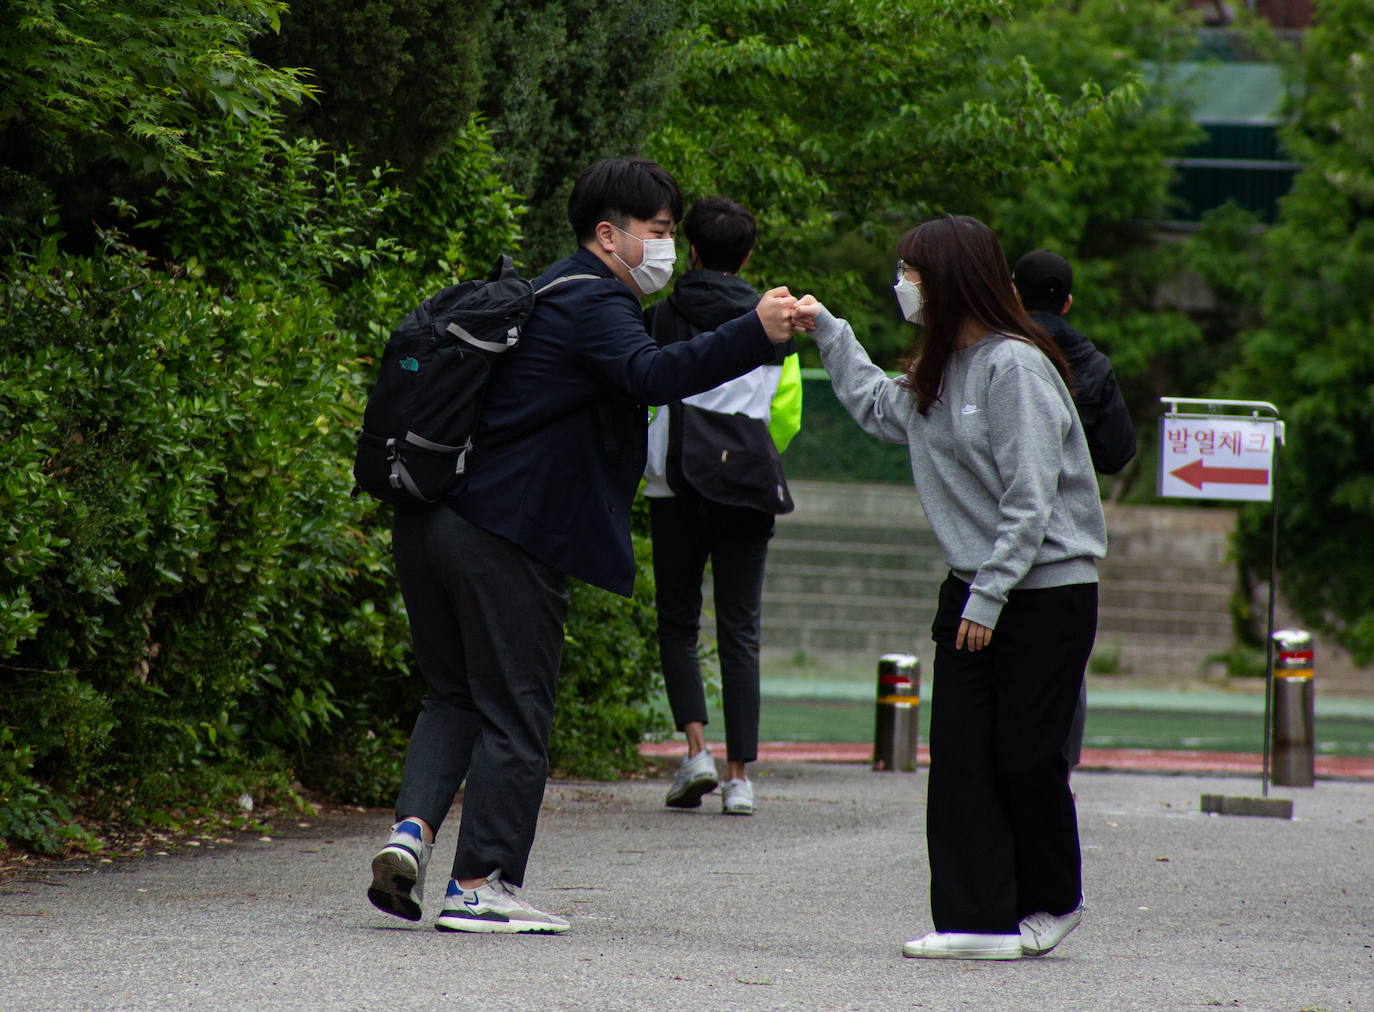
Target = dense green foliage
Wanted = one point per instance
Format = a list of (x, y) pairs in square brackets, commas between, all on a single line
[(560, 82), (610, 668), (841, 128), (178, 560), (97, 99), (1310, 352), (1102, 208), (394, 80), (573, 81)]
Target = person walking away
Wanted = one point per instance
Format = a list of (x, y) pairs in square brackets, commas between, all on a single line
[(1044, 284), (1003, 474), (714, 483), (546, 496)]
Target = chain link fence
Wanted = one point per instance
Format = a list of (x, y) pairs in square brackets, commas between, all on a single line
[(831, 447)]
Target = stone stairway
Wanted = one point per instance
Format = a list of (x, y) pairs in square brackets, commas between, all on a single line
[(854, 570)]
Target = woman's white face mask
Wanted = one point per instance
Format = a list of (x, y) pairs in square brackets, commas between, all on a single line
[(655, 267), (910, 300)]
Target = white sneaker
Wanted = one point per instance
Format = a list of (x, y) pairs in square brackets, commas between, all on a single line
[(1041, 932), (494, 907), (962, 945), (737, 797), (695, 777), (398, 871)]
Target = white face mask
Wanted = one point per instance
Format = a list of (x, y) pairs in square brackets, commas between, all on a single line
[(910, 300), (655, 267)]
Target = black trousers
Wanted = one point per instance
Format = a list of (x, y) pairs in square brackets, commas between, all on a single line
[(487, 622), (687, 531), (1001, 826)]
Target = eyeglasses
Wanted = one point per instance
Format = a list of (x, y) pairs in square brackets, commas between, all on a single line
[(902, 268)]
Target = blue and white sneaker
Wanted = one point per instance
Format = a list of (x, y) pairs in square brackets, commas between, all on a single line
[(398, 871), (494, 907)]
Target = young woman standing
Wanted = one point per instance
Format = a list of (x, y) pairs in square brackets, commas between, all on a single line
[(1003, 474)]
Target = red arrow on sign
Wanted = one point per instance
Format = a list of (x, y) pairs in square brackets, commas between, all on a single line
[(1196, 473)]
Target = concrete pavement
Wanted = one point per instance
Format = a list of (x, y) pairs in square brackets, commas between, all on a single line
[(803, 906)]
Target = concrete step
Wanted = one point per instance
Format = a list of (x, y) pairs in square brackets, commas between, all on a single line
[(873, 638), (849, 532), (1167, 572), (858, 610), (888, 573), (833, 555), (1195, 598), (892, 585)]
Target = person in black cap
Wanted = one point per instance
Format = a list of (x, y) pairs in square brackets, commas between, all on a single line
[(1044, 283)]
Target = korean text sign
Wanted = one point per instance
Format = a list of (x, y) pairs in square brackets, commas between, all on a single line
[(1217, 457)]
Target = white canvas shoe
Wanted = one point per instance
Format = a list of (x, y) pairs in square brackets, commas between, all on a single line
[(963, 945), (1041, 932)]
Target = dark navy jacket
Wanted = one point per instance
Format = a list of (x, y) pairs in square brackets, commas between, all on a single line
[(561, 447)]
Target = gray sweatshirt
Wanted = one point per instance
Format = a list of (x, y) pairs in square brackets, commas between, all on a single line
[(1000, 462)]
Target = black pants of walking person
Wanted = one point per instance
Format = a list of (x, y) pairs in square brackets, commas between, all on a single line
[(1001, 826), (687, 531), (487, 622)]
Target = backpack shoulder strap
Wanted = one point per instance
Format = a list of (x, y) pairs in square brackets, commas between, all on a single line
[(566, 277)]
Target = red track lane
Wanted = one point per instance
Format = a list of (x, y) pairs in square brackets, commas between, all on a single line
[(1129, 760)]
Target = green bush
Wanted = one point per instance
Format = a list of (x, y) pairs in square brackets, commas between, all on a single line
[(172, 519), (610, 672), (193, 607)]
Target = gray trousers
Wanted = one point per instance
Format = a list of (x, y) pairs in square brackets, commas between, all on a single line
[(487, 623)]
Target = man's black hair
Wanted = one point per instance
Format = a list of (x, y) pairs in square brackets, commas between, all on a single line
[(1043, 280), (618, 189), (721, 231)]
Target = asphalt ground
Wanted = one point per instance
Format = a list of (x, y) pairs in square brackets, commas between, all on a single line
[(802, 906)]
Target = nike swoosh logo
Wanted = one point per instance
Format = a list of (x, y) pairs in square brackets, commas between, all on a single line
[(969, 409)]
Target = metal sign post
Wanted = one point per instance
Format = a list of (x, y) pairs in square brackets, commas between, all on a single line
[(1223, 449)]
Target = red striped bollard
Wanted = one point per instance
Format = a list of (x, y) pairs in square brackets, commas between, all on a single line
[(1294, 731), (896, 727)]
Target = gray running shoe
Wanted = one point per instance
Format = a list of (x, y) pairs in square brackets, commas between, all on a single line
[(695, 777), (737, 797), (494, 908), (398, 871), (1041, 932)]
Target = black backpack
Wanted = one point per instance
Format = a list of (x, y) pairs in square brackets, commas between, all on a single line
[(424, 408)]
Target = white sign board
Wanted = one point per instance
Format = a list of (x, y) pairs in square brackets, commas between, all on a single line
[(1216, 457)]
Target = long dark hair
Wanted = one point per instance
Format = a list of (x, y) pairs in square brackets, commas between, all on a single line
[(964, 276)]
